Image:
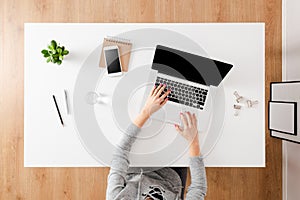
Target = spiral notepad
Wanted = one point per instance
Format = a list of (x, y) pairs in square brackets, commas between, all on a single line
[(124, 46)]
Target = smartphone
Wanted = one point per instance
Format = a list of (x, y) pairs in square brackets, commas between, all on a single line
[(112, 60)]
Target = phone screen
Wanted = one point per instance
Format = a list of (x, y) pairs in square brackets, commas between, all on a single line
[(112, 61)]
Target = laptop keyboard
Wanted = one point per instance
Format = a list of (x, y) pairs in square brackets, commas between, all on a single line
[(184, 94)]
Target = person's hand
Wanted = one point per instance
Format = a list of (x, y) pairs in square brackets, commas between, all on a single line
[(189, 131), (154, 102)]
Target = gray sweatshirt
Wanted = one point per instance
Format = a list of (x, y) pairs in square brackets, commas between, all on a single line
[(124, 183)]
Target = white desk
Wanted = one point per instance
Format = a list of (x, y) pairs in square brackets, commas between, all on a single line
[(47, 143)]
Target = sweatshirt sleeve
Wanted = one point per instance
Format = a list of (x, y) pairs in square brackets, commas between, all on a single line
[(198, 187), (120, 163)]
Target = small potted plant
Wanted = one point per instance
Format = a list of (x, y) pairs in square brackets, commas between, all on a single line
[(55, 53)]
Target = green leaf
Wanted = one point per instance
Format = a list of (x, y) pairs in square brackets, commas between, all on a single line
[(59, 50), (50, 47), (46, 55), (53, 44), (65, 52), (53, 51), (59, 62), (55, 55), (44, 51), (61, 57), (48, 59)]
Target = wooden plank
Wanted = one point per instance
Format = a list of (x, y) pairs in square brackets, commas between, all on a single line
[(17, 182)]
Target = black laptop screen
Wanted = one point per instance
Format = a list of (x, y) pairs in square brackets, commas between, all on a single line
[(189, 66)]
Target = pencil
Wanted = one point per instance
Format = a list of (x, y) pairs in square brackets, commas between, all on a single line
[(58, 110)]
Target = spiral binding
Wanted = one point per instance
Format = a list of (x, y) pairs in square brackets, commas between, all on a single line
[(118, 40)]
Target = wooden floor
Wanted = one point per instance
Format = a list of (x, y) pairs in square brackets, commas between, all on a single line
[(17, 182)]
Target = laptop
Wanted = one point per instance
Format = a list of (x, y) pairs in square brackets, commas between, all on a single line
[(190, 78)]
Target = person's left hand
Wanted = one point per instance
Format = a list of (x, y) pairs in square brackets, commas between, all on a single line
[(155, 100)]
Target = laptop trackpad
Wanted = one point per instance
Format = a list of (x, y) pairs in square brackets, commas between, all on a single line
[(169, 114)]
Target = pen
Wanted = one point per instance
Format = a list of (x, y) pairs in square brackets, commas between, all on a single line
[(66, 101), (58, 110)]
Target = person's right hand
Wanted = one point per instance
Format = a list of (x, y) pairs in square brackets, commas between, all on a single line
[(189, 131)]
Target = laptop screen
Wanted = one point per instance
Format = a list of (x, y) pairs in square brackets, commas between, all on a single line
[(189, 66)]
